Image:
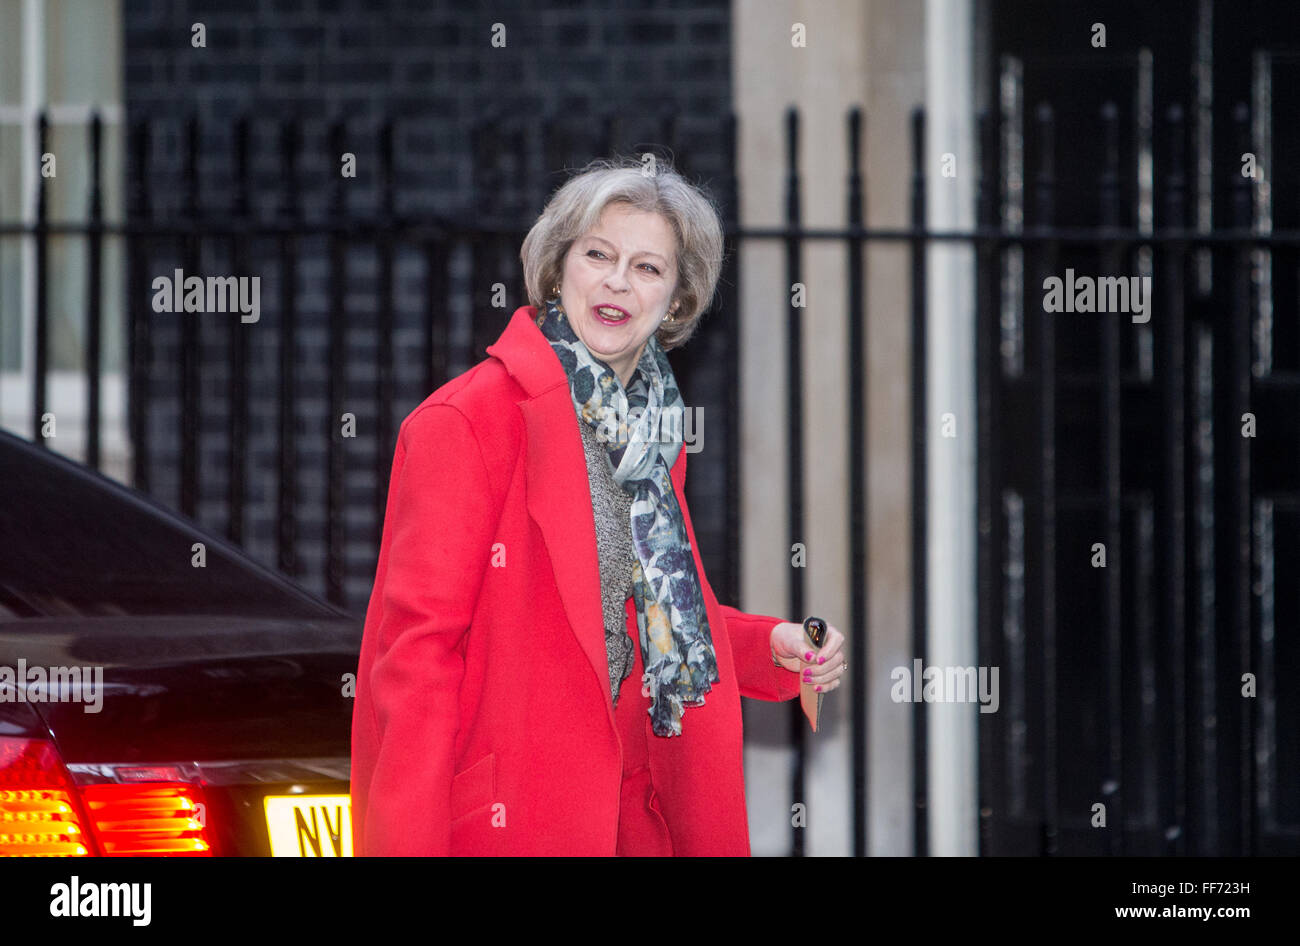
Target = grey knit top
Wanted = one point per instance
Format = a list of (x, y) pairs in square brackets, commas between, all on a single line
[(612, 508)]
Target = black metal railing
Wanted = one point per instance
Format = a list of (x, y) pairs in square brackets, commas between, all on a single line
[(1157, 612)]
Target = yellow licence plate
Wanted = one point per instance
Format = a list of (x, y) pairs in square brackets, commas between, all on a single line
[(309, 825)]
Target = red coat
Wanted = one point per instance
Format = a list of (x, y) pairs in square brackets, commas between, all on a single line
[(483, 679)]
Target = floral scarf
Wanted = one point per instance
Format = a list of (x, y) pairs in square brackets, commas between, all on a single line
[(632, 423)]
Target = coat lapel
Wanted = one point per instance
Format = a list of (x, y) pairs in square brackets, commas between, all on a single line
[(559, 500), (558, 494)]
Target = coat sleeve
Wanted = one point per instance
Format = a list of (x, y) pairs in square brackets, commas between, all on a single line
[(438, 529), (751, 648)]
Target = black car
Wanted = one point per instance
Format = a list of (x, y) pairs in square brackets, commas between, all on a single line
[(160, 692)]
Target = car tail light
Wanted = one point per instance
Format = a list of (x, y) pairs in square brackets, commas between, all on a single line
[(146, 819), (43, 813), (39, 814)]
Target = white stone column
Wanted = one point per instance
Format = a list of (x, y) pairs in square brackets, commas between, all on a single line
[(951, 736)]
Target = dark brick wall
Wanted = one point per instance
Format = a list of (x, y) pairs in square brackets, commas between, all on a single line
[(431, 68)]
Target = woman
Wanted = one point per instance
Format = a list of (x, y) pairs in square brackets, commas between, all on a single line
[(545, 669)]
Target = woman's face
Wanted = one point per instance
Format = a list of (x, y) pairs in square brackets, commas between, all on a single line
[(626, 265)]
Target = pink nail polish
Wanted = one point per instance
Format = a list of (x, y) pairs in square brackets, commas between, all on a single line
[(808, 655), (821, 660), (818, 690)]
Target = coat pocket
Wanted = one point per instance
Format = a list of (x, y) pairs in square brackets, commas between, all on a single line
[(662, 846), (473, 788)]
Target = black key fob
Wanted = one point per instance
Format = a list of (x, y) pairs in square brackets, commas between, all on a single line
[(814, 631)]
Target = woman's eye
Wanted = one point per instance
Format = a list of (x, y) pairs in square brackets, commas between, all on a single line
[(599, 253)]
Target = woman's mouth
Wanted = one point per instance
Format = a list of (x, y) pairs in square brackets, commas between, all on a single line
[(610, 314)]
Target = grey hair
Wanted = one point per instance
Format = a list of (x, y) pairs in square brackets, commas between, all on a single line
[(576, 207)]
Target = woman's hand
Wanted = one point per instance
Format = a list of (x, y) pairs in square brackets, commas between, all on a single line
[(824, 667)]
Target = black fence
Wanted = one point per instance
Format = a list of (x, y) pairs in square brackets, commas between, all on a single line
[(190, 385), (1134, 474), (1124, 682)]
